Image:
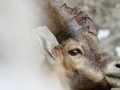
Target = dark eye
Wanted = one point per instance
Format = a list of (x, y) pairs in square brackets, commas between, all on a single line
[(74, 52)]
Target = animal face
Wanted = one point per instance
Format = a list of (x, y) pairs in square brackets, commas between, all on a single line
[(81, 64), (84, 65)]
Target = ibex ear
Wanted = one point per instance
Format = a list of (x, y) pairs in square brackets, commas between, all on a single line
[(46, 48)]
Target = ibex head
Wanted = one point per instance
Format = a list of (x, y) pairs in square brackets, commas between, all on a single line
[(78, 59)]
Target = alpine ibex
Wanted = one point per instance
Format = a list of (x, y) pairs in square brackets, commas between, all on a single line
[(77, 60)]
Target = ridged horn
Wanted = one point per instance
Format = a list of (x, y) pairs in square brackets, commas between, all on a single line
[(64, 22)]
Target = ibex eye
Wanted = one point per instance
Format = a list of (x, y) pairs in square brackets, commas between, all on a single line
[(74, 52)]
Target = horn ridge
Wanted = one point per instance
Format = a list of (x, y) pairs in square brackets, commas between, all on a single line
[(60, 17)]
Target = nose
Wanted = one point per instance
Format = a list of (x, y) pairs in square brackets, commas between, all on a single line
[(118, 65)]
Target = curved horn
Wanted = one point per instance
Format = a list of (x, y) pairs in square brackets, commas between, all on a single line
[(63, 21)]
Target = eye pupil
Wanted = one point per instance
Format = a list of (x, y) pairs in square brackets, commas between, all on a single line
[(74, 52)]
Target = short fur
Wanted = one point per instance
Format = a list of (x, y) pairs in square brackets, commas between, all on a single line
[(86, 71)]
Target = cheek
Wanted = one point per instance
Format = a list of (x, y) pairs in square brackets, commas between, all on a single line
[(80, 64), (87, 68)]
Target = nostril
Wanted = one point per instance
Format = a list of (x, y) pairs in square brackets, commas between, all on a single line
[(118, 65)]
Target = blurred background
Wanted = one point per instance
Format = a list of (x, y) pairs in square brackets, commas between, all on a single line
[(20, 53)]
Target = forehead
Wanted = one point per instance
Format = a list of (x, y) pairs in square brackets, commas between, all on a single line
[(86, 40)]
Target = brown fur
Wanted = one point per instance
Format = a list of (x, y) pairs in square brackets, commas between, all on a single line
[(83, 72), (73, 28)]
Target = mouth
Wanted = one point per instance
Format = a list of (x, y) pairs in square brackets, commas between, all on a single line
[(113, 79), (115, 75)]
